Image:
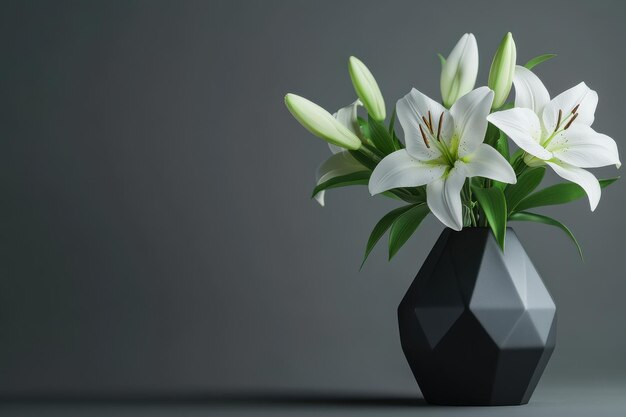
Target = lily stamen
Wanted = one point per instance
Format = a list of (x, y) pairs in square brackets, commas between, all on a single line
[(571, 121), (428, 135), (573, 147), (424, 137), (558, 120), (430, 122), (439, 126), (426, 123)]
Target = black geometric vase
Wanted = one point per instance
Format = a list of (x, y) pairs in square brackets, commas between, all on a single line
[(477, 326)]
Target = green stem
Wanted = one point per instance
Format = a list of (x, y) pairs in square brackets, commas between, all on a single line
[(522, 169), (472, 214), (482, 221), (466, 193), (519, 166)]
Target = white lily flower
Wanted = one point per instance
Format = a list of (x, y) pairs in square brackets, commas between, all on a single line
[(458, 73), (443, 148), (558, 132), (341, 162)]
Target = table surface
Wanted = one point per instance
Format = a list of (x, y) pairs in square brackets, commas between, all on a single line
[(563, 399)]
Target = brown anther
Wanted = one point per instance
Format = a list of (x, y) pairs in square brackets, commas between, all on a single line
[(575, 108), (571, 121), (424, 137), (425, 122), (430, 122), (558, 120), (428, 125), (439, 126)]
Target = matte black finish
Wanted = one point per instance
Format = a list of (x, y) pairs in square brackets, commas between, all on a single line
[(477, 325)]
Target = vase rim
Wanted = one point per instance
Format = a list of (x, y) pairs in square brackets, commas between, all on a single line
[(476, 228)]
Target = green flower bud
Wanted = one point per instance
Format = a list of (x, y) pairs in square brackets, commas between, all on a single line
[(502, 70), (459, 70), (321, 123), (367, 89)]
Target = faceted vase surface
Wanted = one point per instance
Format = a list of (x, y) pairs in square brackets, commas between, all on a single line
[(477, 325)]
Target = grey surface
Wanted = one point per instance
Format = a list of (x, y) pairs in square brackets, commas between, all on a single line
[(157, 233), (600, 398)]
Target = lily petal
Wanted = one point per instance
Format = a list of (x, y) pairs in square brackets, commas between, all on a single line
[(583, 147), (582, 96), (399, 169), (489, 163), (412, 109), (335, 149), (523, 127), (469, 114), (584, 178), (444, 197), (337, 165), (530, 92), (347, 116)]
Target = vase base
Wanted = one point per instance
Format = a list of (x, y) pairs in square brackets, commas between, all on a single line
[(472, 403)]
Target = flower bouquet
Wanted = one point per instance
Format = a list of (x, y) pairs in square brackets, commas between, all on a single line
[(455, 159), (477, 325)]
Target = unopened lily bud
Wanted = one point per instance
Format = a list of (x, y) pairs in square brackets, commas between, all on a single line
[(321, 123), (367, 89), (459, 71), (502, 70)]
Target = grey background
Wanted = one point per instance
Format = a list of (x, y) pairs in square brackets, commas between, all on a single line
[(156, 230)]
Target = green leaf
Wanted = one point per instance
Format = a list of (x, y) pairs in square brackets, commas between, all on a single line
[(557, 194), (404, 226), (391, 195), (365, 160), (525, 216), (410, 198), (477, 182), (442, 59), (380, 136), (356, 178), (381, 227), (396, 142), (493, 204), (492, 135), (538, 60), (392, 122), (413, 195), (363, 125), (502, 145), (517, 157), (397, 145), (517, 162), (526, 184)]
